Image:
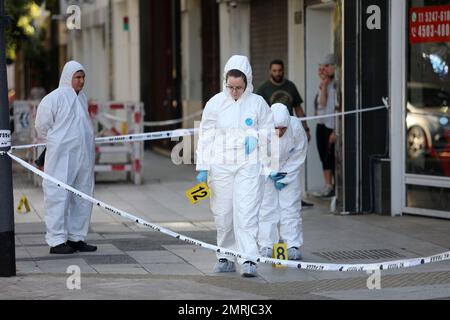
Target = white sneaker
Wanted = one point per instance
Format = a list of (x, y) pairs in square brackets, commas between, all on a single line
[(267, 252), (326, 192), (223, 266), (248, 269), (294, 254)]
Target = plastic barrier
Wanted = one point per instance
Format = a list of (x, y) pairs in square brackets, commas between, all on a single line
[(109, 119), (112, 119)]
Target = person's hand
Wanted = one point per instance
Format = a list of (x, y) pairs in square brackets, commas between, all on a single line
[(250, 144), (324, 82), (332, 138), (276, 176), (202, 177), (280, 186), (308, 133)]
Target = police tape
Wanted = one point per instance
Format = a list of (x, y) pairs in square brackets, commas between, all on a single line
[(399, 264), (347, 113), (5, 138), (139, 137), (128, 138)]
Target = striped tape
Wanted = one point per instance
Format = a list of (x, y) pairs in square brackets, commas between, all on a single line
[(399, 264), (185, 132)]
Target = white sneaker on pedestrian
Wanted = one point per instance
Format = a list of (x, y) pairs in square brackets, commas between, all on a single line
[(248, 269), (267, 252), (223, 266), (326, 192), (294, 254)]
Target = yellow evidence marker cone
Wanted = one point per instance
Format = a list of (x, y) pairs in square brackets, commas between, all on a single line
[(198, 193), (280, 253), (23, 203)]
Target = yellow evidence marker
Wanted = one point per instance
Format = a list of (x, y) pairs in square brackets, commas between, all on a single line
[(23, 203), (280, 253), (198, 193)]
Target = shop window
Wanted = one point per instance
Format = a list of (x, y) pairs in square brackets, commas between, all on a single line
[(428, 89)]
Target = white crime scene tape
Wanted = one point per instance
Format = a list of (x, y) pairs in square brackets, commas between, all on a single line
[(129, 138), (186, 132), (5, 138), (399, 264)]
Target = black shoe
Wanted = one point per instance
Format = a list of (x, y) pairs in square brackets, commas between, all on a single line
[(62, 249), (307, 204), (81, 246)]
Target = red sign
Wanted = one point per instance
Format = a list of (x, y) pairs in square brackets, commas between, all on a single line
[(429, 24)]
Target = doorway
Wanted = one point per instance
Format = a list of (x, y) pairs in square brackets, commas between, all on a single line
[(319, 42)]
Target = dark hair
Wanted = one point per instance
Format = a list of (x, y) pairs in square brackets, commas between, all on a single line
[(237, 74), (278, 62)]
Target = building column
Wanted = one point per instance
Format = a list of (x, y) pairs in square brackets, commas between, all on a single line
[(234, 30), (397, 70)]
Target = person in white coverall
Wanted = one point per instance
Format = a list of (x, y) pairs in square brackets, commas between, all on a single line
[(233, 130), (62, 121), (281, 205)]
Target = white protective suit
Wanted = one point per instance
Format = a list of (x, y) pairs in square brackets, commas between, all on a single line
[(63, 122), (235, 180), (284, 207)]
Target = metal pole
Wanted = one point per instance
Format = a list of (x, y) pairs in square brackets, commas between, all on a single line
[(7, 245)]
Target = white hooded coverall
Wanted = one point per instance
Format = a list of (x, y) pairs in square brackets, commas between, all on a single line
[(235, 180), (284, 207), (62, 121)]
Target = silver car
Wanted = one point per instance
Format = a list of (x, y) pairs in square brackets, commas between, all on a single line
[(428, 122)]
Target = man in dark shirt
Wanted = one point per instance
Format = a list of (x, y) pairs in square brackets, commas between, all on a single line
[(280, 90)]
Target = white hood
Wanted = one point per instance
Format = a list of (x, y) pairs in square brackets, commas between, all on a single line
[(242, 64), (281, 115), (69, 70)]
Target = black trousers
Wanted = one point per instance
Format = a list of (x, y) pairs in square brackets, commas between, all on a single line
[(326, 150)]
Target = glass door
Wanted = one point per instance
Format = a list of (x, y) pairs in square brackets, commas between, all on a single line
[(427, 110)]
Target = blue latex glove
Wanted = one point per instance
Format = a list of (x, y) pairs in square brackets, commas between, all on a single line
[(280, 186), (202, 176), (276, 176), (250, 144)]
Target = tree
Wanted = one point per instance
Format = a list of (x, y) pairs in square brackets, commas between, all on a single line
[(26, 25)]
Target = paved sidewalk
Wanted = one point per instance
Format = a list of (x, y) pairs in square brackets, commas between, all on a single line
[(136, 263)]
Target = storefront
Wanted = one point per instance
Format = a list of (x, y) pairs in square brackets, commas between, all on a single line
[(420, 99)]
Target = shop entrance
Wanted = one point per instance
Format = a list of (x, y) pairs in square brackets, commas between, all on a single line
[(319, 42)]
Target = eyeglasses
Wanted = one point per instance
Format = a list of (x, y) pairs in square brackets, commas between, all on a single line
[(237, 89)]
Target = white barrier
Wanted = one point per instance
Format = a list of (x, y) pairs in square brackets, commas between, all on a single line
[(116, 118)]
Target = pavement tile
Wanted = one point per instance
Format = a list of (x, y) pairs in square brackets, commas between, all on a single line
[(22, 253), (61, 266), (200, 258), (131, 269), (123, 236), (172, 269), (154, 257), (109, 259), (27, 267), (32, 239)]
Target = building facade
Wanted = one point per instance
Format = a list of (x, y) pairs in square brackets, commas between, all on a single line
[(170, 55)]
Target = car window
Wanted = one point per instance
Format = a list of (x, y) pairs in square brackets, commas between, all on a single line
[(428, 98)]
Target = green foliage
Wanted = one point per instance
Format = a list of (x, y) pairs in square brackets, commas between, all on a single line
[(23, 27)]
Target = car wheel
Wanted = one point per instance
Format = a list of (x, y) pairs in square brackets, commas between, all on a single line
[(417, 143)]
